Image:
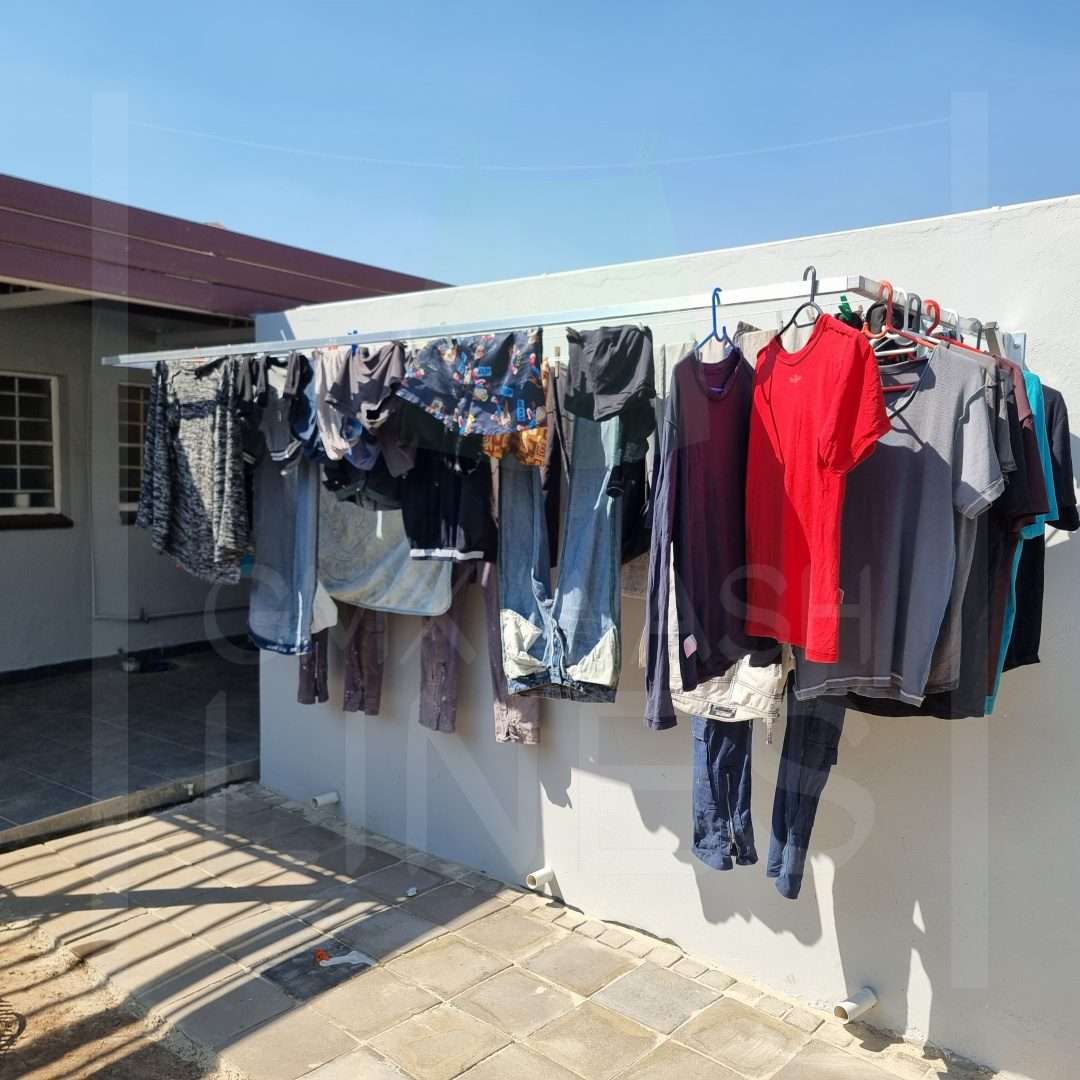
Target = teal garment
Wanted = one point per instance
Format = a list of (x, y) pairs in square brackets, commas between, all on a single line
[(1033, 386)]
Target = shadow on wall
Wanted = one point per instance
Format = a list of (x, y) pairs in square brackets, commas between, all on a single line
[(926, 880), (924, 860)]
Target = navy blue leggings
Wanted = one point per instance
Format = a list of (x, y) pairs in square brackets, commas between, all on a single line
[(810, 745), (723, 831)]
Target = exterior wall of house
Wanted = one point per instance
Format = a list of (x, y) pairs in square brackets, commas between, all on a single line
[(946, 859), (80, 592)]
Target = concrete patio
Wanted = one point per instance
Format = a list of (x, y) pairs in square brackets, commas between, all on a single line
[(75, 741), (282, 944)]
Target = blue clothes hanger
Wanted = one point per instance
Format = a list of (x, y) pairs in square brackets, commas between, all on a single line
[(721, 334)]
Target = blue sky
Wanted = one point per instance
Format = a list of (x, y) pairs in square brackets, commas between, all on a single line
[(476, 141)]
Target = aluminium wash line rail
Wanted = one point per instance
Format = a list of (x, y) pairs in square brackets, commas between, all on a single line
[(855, 284)]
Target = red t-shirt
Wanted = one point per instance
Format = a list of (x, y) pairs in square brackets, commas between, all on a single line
[(817, 413)]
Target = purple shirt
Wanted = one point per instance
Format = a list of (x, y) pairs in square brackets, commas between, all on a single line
[(700, 520)]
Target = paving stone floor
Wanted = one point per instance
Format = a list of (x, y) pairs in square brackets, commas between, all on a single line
[(294, 947), (73, 739)]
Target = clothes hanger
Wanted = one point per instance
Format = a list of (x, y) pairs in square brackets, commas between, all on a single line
[(986, 358), (983, 357), (890, 333), (934, 307), (976, 353), (811, 273), (888, 309), (909, 335), (720, 335), (946, 333), (910, 332)]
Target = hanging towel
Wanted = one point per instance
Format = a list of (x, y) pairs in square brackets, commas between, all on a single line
[(364, 560)]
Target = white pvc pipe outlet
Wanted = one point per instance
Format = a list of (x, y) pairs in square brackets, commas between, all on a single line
[(539, 878), (327, 798), (862, 1001)]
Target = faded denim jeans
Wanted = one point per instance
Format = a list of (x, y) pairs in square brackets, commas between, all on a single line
[(811, 742), (563, 644), (723, 829), (286, 533)]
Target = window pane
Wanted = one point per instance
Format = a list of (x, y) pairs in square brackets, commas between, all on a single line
[(35, 455), (37, 408), (27, 479), (35, 479), (35, 430), (132, 404)]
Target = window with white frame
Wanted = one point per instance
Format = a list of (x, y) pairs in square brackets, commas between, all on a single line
[(133, 401), (29, 443)]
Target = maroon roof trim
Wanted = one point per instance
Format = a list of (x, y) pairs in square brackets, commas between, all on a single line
[(61, 239)]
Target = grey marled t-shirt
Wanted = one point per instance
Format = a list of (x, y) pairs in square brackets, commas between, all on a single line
[(193, 497)]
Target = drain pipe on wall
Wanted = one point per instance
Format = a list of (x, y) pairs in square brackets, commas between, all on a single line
[(327, 798), (860, 1003), (539, 878)]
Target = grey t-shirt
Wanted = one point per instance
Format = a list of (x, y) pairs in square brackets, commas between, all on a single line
[(944, 674), (900, 542)]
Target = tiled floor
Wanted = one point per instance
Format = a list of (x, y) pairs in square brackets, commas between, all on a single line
[(293, 948), (71, 740)]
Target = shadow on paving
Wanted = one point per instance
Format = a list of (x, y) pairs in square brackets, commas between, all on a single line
[(53, 1023), (289, 950), (220, 916)]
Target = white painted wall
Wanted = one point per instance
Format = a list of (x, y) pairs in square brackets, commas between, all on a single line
[(946, 871), (53, 580)]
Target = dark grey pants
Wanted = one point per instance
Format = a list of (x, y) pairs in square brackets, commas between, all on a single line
[(312, 685), (517, 719), (365, 654), (365, 659)]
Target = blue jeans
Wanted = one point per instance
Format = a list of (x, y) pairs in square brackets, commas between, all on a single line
[(286, 532), (810, 747), (563, 644), (723, 830)]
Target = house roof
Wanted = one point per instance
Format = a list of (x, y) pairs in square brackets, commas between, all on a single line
[(57, 240)]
